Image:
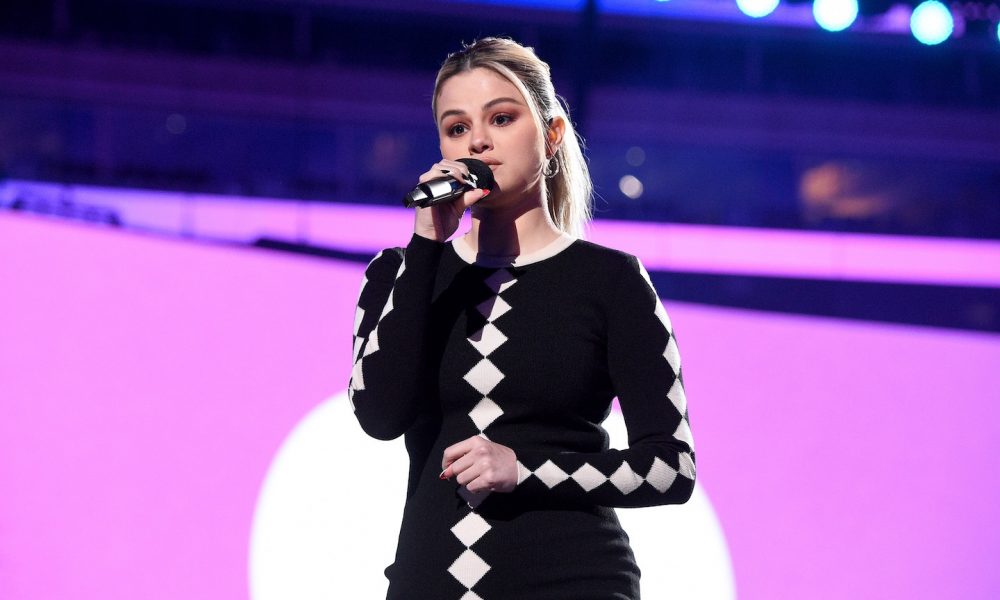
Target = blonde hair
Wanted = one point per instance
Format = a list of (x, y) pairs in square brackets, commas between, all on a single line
[(568, 192)]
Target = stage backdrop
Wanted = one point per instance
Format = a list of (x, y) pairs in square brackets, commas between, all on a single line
[(173, 425)]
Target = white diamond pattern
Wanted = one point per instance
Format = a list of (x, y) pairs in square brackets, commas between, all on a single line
[(357, 346), (487, 339), (686, 465), (493, 309), (470, 528), (661, 314), (677, 397), (661, 476), (485, 412), (672, 355), (357, 377), (625, 479), (468, 568), (588, 477), (683, 433), (357, 373), (550, 474), (484, 376), (372, 345), (645, 274), (387, 308), (523, 472), (359, 315)]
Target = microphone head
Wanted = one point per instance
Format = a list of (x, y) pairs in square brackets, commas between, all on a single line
[(481, 173)]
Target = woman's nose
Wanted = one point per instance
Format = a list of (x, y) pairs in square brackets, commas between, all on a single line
[(479, 141)]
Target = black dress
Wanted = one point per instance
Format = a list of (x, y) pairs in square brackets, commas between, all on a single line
[(528, 354)]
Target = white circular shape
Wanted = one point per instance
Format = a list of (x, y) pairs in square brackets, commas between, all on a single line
[(630, 186), (931, 22), (329, 509), (757, 8), (835, 15)]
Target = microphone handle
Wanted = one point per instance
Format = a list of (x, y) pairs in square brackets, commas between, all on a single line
[(436, 191)]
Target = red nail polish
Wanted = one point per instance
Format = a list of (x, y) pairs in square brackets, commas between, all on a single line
[(441, 476), (486, 193)]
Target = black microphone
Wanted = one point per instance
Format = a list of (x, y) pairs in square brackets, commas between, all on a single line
[(447, 188)]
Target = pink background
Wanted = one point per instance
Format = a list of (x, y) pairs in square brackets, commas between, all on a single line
[(146, 383)]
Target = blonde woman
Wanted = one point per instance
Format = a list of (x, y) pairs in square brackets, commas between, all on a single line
[(498, 353)]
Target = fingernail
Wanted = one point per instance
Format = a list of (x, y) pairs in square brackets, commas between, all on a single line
[(486, 193), (441, 476)]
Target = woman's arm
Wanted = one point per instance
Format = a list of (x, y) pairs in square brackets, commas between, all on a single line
[(645, 367), (388, 381)]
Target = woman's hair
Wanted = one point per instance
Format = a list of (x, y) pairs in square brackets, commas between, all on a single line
[(568, 192)]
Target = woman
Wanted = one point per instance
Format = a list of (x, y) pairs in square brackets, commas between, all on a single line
[(498, 355)]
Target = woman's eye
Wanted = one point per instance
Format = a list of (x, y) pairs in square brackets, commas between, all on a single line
[(502, 119), (458, 129)]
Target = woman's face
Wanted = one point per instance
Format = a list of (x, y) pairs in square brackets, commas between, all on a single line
[(483, 116)]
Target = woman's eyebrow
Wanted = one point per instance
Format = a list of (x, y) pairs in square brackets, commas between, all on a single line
[(486, 106)]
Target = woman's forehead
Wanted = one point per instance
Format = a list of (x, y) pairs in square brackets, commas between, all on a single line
[(469, 90)]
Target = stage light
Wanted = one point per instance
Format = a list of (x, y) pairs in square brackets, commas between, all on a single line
[(835, 15), (176, 123), (931, 22), (630, 186), (757, 8), (635, 156), (998, 31)]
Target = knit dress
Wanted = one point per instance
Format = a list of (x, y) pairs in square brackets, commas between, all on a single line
[(527, 353)]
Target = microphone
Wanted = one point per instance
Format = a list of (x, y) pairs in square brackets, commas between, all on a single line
[(447, 188)]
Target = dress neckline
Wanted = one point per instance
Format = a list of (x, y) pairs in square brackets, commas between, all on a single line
[(467, 254)]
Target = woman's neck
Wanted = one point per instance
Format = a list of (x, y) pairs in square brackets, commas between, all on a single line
[(511, 230)]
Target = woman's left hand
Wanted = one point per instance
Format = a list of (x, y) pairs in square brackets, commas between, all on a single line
[(481, 465)]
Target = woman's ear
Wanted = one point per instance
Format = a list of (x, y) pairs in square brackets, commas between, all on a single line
[(554, 135)]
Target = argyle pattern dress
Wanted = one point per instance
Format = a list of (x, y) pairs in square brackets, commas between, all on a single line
[(528, 353)]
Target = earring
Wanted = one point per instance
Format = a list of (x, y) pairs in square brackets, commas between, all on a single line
[(549, 171)]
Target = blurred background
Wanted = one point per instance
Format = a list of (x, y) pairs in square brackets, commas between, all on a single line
[(190, 190)]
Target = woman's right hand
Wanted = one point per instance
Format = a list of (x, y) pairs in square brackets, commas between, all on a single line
[(439, 222)]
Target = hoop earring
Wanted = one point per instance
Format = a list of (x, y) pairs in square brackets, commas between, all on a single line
[(549, 172)]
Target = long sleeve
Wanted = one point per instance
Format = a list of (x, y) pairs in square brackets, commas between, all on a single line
[(388, 380), (644, 364)]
